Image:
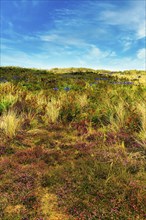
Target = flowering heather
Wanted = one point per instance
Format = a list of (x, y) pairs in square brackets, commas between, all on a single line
[(66, 89), (55, 89)]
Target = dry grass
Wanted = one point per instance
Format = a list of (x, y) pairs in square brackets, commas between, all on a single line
[(10, 123), (120, 113), (8, 87), (141, 108), (52, 111), (82, 100), (49, 207), (41, 100), (141, 80), (77, 154)]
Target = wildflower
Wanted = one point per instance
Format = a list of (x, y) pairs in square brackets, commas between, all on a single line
[(55, 89), (127, 83), (2, 150), (15, 77), (2, 80), (67, 89)]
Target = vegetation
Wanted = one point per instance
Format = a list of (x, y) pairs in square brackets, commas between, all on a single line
[(72, 144)]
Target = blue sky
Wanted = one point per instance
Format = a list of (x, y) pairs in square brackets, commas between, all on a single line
[(99, 34)]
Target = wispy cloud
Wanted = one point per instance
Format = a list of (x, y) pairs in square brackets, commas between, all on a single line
[(66, 60), (132, 18), (22, 3), (98, 34), (95, 53), (141, 32), (127, 42), (141, 54)]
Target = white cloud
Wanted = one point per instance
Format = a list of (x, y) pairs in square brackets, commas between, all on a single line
[(35, 60), (96, 53), (125, 63), (64, 11), (132, 18), (75, 40), (64, 40), (22, 3), (141, 30), (113, 54), (49, 38), (100, 59), (141, 54), (127, 41), (24, 60)]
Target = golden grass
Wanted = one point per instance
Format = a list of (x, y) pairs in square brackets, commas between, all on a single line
[(41, 99), (8, 87), (10, 123), (134, 76), (118, 116), (13, 210), (82, 100), (141, 107), (49, 207), (52, 111)]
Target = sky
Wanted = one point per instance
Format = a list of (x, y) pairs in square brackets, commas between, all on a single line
[(98, 34)]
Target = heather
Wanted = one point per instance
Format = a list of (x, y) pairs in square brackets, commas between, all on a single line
[(72, 144)]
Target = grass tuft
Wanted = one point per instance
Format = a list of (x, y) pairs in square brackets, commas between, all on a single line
[(10, 123)]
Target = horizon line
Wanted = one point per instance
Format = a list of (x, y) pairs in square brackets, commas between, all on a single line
[(71, 68)]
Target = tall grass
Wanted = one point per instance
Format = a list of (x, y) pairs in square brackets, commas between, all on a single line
[(10, 123), (6, 101), (8, 87), (80, 153), (141, 108), (52, 111), (82, 100)]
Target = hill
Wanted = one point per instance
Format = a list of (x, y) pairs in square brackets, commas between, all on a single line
[(72, 144)]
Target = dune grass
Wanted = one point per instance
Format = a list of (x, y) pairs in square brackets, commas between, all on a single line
[(72, 145), (10, 123)]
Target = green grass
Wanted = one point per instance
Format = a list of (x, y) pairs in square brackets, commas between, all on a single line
[(80, 148)]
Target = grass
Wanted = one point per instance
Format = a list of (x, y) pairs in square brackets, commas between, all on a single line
[(72, 144), (10, 123), (52, 111)]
